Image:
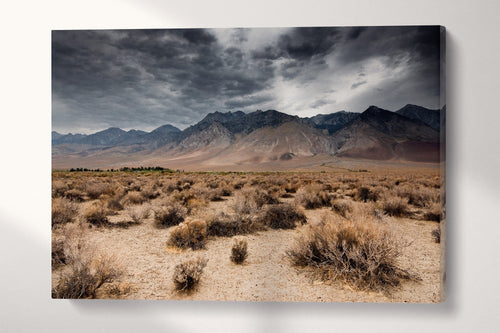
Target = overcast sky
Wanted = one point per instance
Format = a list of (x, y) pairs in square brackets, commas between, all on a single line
[(143, 79)]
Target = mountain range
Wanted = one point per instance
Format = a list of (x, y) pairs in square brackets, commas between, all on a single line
[(237, 138)]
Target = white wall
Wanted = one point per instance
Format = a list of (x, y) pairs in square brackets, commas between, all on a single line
[(473, 158)]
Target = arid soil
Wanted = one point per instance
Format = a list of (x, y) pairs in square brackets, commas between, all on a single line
[(147, 263)]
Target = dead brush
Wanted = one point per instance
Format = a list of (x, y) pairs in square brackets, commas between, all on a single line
[(396, 206), (187, 274), (150, 193), (365, 194), (139, 214), (169, 215), (225, 225), (95, 190), (114, 203), (282, 216), (87, 269), (85, 276), (312, 196), (436, 235), (433, 213), (423, 197), (96, 215), (74, 194), (63, 211), (261, 197), (59, 187), (239, 251), (213, 194), (245, 203), (133, 198), (58, 255), (364, 255), (342, 207), (189, 234)]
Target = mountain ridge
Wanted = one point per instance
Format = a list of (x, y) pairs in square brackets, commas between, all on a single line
[(265, 136)]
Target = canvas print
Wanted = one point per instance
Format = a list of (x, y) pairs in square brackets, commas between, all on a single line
[(249, 164)]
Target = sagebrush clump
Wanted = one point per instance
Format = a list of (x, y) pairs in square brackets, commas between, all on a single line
[(282, 216), (312, 196), (86, 268), (342, 207), (239, 251), (361, 254), (63, 211), (225, 225), (187, 275), (169, 215), (96, 215), (436, 235), (189, 234), (396, 206), (85, 276), (138, 214)]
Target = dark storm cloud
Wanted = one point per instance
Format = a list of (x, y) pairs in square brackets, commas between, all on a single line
[(305, 43), (146, 78)]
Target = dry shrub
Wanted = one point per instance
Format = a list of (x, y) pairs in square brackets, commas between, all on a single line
[(244, 204), (248, 201), (133, 198), (214, 194), (365, 194), (58, 254), (189, 234), (239, 251), (282, 216), (84, 276), (291, 188), (185, 196), (113, 290), (226, 190), (95, 214), (362, 254), (423, 197), (95, 190), (251, 199), (239, 185), (193, 205), (433, 213), (169, 215), (139, 214), (312, 196), (342, 207), (63, 211), (396, 206), (149, 193), (187, 274), (86, 268), (75, 195), (114, 203), (59, 187), (436, 235), (224, 225)]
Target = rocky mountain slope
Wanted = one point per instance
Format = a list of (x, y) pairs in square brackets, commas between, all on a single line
[(411, 134)]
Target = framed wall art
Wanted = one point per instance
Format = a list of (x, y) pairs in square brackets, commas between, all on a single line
[(249, 164)]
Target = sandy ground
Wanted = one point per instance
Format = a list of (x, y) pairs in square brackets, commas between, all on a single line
[(266, 275)]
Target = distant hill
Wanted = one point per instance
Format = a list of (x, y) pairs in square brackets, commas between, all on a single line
[(427, 116), (382, 135), (409, 134), (333, 121)]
